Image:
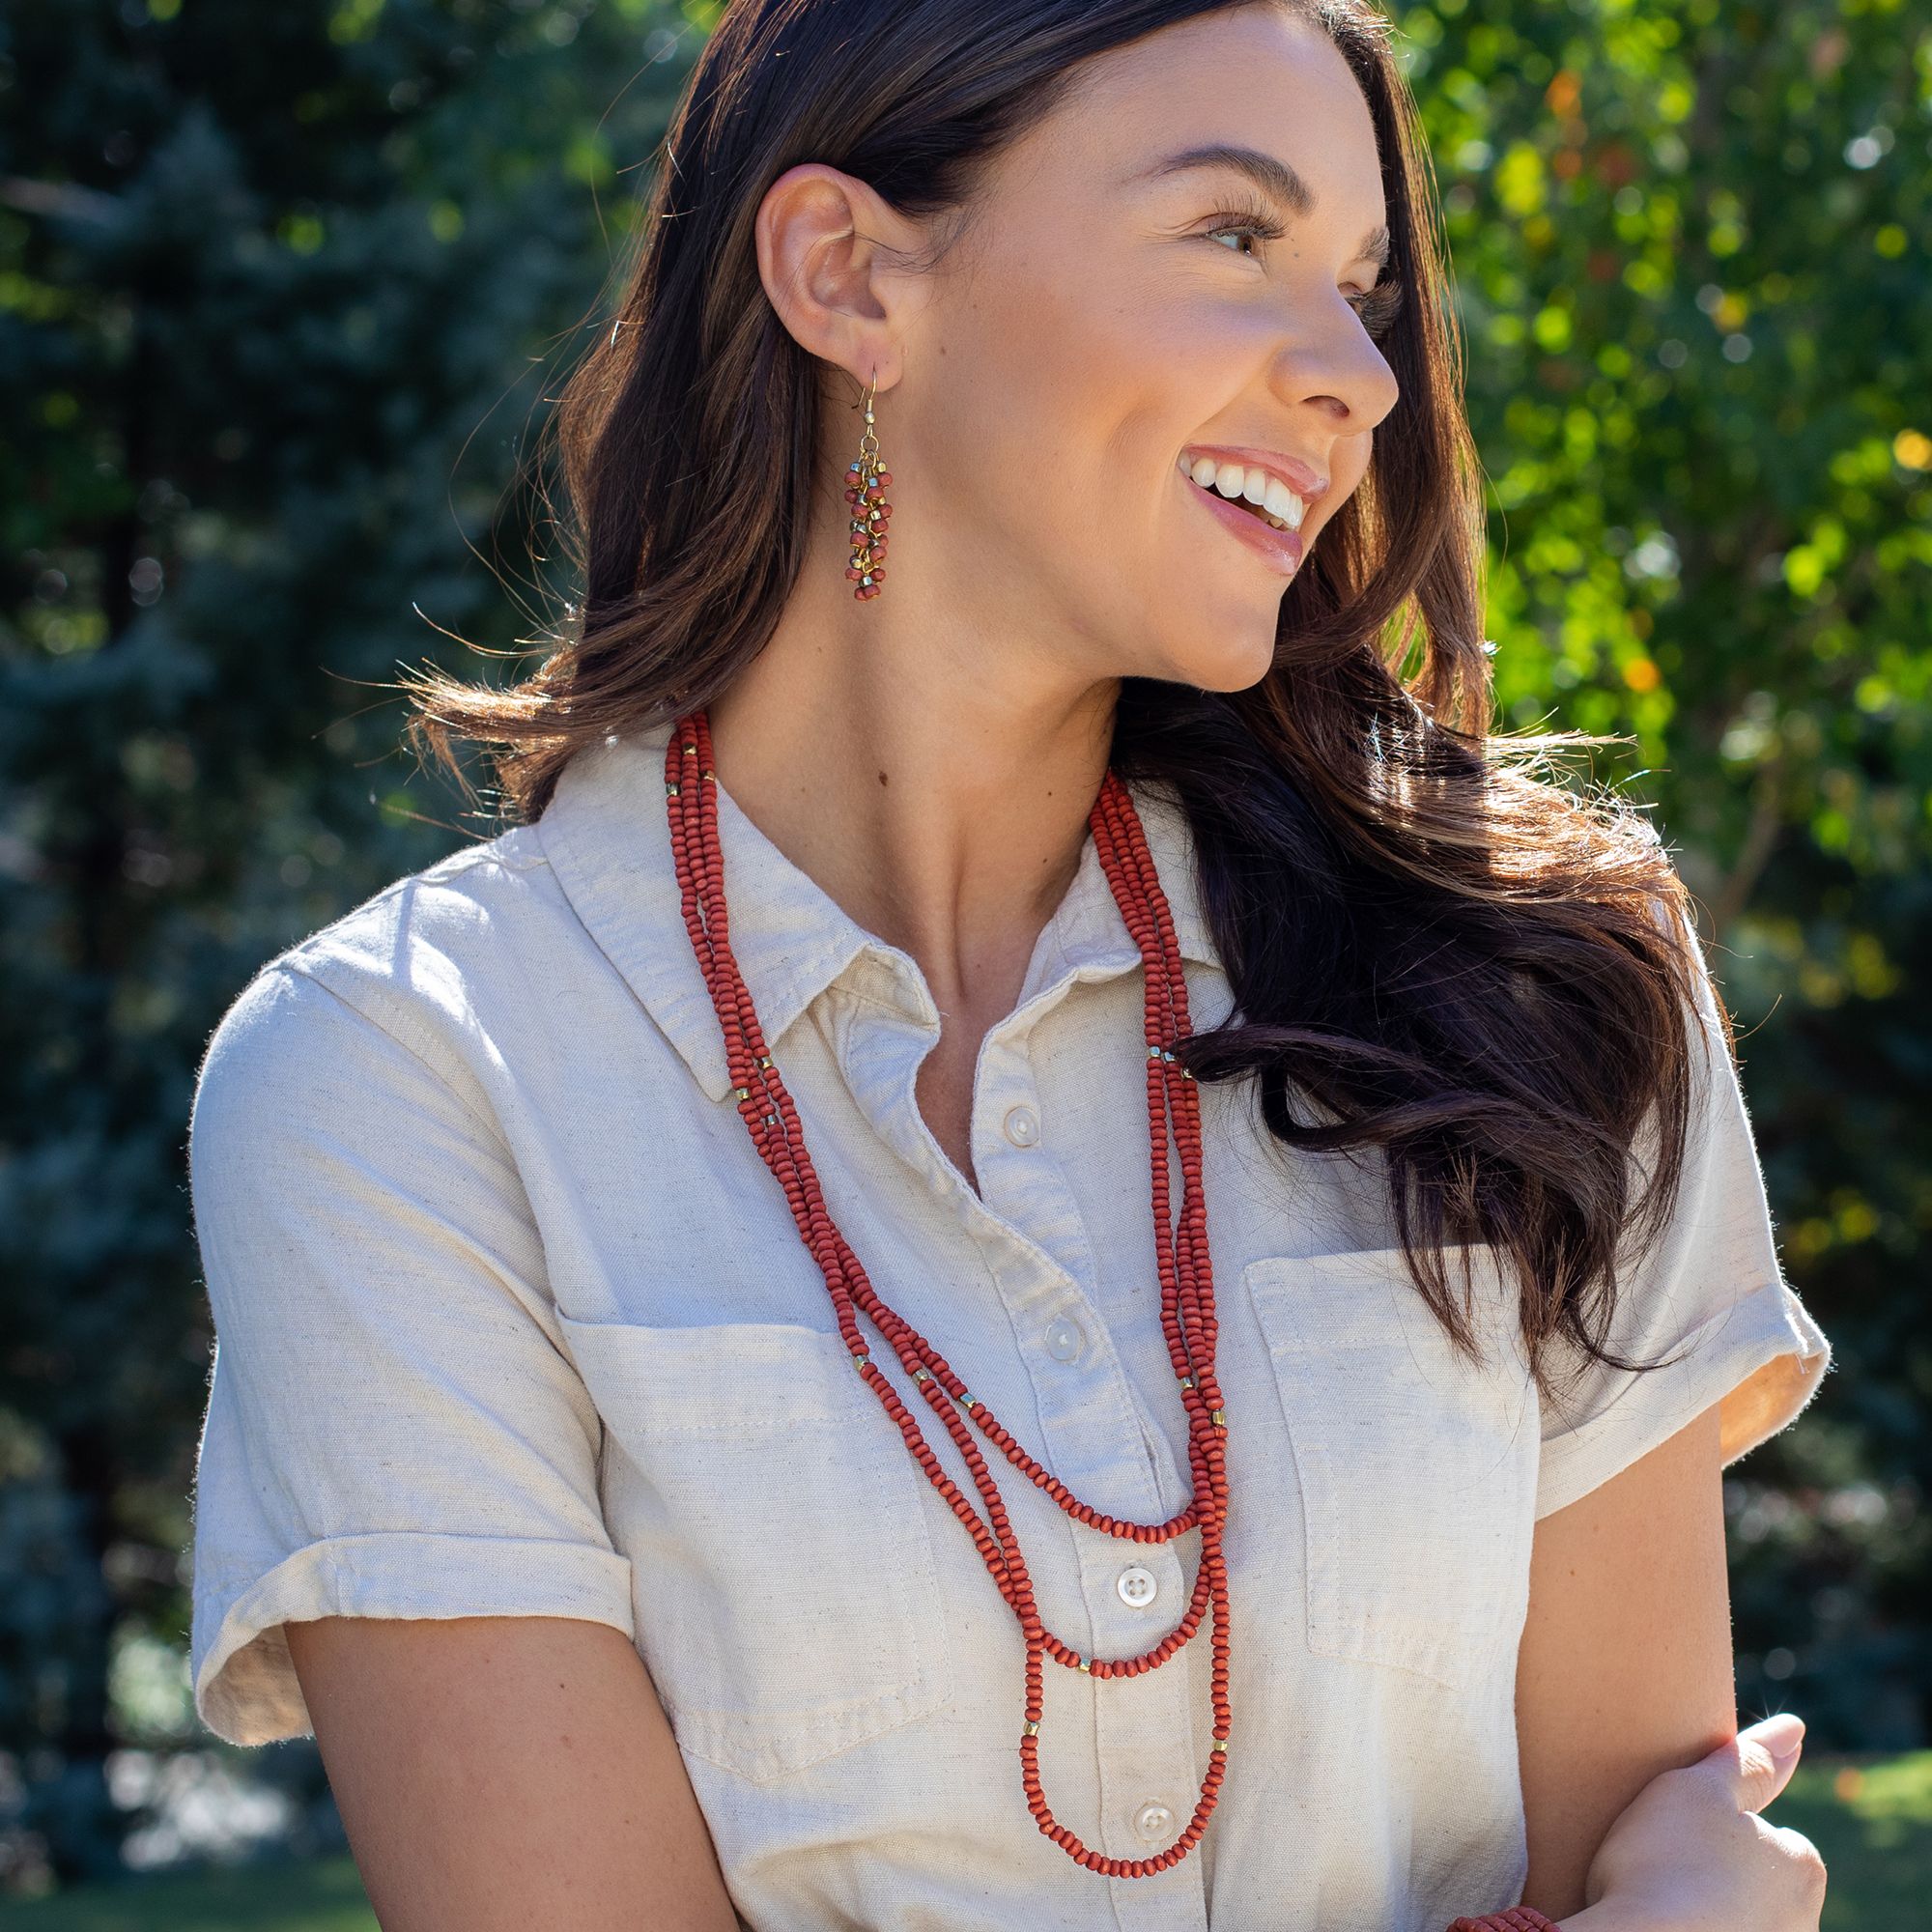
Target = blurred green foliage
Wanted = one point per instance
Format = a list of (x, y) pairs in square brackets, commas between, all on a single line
[(281, 293), (317, 1896)]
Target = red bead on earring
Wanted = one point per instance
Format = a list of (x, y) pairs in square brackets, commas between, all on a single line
[(865, 491)]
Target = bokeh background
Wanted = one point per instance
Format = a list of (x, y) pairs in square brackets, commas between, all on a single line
[(283, 290)]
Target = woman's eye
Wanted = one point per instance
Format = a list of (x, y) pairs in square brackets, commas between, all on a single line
[(1237, 221), (1378, 308), (1236, 228)]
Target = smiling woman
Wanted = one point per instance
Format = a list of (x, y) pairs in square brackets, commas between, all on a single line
[(1046, 1244)]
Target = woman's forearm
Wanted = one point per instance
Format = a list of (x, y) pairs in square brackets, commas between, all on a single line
[(1690, 1853)]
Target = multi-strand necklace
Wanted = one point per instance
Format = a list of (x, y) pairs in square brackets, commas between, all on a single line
[(1186, 1279)]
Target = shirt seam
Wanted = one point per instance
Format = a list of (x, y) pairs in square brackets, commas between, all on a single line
[(487, 1123), (465, 859), (837, 986)]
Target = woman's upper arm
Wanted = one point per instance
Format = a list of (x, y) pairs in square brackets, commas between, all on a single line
[(1625, 1668), (499, 1772), (399, 1537), (393, 1428)]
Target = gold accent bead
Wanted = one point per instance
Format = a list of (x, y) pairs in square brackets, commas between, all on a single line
[(1033, 1727), (922, 1375), (1187, 1382), (861, 1361), (1085, 1664), (690, 750), (670, 792), (969, 1402), (1219, 1744), (1219, 1418), (764, 1059), (743, 1092), (709, 773)]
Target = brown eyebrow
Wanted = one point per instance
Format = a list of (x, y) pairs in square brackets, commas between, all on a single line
[(1272, 176)]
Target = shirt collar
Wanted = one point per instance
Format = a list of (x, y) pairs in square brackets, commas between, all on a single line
[(606, 835)]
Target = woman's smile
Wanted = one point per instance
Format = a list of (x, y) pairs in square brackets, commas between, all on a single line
[(1272, 537)]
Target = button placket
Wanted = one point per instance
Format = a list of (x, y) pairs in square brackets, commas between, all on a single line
[(1108, 1447), (1156, 1823), (1150, 1771), (1065, 1340), (1144, 1727), (1091, 1437)]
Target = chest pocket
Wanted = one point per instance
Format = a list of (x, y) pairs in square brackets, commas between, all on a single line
[(1417, 1468), (787, 1594)]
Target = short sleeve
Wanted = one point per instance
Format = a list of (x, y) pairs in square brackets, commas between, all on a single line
[(1709, 1294), (392, 1428)]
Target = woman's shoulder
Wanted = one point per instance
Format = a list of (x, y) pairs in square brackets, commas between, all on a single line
[(463, 909), (420, 964)]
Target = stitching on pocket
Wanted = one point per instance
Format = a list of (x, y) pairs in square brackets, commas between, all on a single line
[(786, 1589), (1417, 1469)]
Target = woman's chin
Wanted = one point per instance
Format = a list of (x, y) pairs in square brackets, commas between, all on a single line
[(1239, 657)]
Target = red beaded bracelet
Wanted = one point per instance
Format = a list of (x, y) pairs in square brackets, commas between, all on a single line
[(1518, 1918)]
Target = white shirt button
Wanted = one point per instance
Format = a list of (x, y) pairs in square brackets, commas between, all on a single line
[(1137, 1585), (1064, 1339), (1022, 1126), (1154, 1822)]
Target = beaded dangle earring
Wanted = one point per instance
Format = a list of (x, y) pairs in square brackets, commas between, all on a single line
[(865, 491)]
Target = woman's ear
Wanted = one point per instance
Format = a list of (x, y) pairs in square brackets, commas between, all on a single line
[(829, 254)]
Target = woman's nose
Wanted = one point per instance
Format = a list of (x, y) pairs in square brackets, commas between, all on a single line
[(1328, 362)]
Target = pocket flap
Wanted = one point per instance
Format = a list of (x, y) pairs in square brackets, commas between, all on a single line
[(721, 1377)]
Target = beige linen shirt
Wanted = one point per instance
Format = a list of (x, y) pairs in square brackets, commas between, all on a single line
[(511, 1318)]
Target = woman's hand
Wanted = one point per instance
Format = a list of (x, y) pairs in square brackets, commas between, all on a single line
[(1690, 1853)]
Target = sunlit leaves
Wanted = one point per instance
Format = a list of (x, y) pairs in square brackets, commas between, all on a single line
[(1677, 239)]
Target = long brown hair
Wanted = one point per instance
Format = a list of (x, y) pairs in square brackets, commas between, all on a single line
[(1437, 949)]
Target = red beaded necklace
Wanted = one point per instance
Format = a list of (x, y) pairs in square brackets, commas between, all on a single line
[(1187, 1282)]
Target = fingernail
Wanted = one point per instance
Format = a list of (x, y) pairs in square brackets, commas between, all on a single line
[(1781, 1734)]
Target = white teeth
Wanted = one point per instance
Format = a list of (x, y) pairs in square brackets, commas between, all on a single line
[(1278, 504), (1282, 502)]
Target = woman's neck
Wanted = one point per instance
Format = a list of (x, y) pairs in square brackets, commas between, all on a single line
[(943, 811)]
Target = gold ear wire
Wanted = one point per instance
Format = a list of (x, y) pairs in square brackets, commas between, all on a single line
[(866, 491)]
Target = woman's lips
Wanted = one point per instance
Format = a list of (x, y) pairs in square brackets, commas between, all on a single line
[(1283, 549)]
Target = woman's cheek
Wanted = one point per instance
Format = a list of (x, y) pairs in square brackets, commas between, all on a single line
[(1348, 465)]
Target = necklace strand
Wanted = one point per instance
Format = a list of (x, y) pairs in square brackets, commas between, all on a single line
[(1186, 1277)]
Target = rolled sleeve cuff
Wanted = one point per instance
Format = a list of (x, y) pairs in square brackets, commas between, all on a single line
[(245, 1688), (1763, 1357)]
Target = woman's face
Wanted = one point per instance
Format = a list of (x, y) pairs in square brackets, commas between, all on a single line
[(1119, 316)]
